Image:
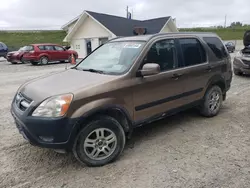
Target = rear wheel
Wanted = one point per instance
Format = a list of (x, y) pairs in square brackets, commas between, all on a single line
[(100, 142), (212, 102), (44, 60), (13, 63)]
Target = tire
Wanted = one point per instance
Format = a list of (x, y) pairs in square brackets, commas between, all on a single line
[(14, 63), (237, 72), (34, 63), (43, 60), (104, 124), (22, 60), (212, 102)]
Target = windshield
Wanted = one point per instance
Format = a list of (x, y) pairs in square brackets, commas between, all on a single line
[(22, 48), (112, 57), (26, 48)]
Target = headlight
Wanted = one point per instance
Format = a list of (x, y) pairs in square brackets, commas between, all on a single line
[(238, 54), (54, 107)]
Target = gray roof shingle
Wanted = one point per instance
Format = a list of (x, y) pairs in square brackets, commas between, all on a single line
[(122, 26)]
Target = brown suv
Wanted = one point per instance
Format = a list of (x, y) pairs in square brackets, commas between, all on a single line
[(93, 107)]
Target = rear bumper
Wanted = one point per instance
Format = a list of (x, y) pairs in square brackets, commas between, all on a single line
[(54, 133), (3, 54)]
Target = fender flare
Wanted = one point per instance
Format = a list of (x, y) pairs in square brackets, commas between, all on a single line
[(101, 109), (215, 79)]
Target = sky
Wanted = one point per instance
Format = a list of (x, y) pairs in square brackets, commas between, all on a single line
[(52, 14)]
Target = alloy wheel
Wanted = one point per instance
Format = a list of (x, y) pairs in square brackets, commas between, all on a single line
[(214, 101), (100, 144)]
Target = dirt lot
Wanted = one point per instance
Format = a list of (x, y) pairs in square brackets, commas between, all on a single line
[(191, 151)]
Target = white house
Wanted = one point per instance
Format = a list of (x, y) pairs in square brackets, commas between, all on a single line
[(89, 30)]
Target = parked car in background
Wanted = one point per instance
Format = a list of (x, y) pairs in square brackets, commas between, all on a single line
[(45, 53), (230, 46), (3, 50), (93, 107), (241, 63), (15, 57)]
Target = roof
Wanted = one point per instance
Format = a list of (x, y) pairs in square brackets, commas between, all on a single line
[(121, 26), (148, 37), (70, 22), (49, 44)]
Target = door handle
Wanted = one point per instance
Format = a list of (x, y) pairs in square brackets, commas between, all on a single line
[(176, 76), (209, 68)]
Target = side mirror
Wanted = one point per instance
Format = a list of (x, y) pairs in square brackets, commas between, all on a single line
[(149, 69)]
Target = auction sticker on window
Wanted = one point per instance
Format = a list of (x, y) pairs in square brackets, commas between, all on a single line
[(134, 45)]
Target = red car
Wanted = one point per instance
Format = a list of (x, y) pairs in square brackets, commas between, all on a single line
[(15, 57), (45, 53)]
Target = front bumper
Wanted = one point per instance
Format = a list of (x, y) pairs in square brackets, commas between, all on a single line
[(54, 133), (13, 59), (242, 65)]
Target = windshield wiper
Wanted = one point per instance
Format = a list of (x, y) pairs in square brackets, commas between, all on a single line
[(93, 70)]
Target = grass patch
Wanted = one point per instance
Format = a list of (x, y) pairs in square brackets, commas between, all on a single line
[(15, 40), (224, 33)]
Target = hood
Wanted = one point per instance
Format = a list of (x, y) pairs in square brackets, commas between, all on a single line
[(246, 38), (12, 52), (68, 81)]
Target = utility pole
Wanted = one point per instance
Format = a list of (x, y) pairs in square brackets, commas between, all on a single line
[(225, 24), (127, 12)]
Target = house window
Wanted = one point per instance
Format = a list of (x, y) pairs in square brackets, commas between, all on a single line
[(77, 46), (102, 40)]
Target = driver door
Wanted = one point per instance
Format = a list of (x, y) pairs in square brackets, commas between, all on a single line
[(157, 94)]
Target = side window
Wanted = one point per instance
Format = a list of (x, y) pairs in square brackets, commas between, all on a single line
[(163, 53), (58, 48), (41, 47), (193, 52), (216, 46), (49, 48)]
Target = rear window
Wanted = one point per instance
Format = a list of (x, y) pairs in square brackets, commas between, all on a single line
[(193, 52), (49, 48), (216, 46)]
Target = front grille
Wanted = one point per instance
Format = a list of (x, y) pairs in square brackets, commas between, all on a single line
[(22, 102)]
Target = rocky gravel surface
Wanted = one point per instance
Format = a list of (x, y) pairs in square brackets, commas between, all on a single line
[(185, 150)]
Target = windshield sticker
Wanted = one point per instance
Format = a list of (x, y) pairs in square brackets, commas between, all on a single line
[(132, 45)]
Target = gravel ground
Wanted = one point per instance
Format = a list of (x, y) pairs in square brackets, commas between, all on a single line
[(184, 150)]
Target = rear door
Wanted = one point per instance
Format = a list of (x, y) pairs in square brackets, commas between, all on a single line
[(50, 51), (195, 66), (61, 53)]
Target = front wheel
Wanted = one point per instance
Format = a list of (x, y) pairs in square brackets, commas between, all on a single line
[(100, 142), (212, 102)]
